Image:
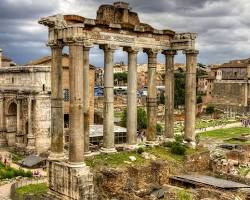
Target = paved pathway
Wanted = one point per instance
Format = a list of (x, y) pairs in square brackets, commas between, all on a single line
[(5, 192)]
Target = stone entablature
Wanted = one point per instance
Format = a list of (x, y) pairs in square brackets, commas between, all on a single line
[(114, 26)]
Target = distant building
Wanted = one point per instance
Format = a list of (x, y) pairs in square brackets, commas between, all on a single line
[(65, 64), (25, 106), (229, 85)]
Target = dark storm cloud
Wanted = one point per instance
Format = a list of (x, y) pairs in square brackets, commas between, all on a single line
[(222, 25), (25, 9)]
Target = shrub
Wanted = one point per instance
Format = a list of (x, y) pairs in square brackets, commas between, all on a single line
[(210, 109), (140, 150), (179, 138), (159, 129), (178, 149), (167, 144), (141, 119), (184, 195)]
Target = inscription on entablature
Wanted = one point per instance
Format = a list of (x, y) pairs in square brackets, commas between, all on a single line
[(115, 38)]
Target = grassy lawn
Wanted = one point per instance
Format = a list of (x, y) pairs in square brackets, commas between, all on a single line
[(121, 159), (200, 123), (40, 188), (113, 160), (225, 133), (164, 154)]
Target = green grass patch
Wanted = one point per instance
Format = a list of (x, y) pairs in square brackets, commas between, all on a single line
[(9, 172), (113, 160), (243, 171), (225, 133), (184, 195), (36, 189), (164, 153)]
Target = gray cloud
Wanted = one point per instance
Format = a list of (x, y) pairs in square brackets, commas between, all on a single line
[(222, 25)]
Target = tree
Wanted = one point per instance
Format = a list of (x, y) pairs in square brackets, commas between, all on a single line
[(179, 94), (162, 98), (141, 119), (199, 99), (210, 109)]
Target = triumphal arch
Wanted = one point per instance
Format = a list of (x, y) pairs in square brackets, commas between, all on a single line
[(115, 26)]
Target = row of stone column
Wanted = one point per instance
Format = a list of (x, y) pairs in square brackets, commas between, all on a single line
[(79, 105), (190, 94)]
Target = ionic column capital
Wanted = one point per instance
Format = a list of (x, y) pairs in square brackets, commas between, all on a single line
[(108, 47), (190, 51), (169, 52), (133, 50), (58, 45), (152, 53)]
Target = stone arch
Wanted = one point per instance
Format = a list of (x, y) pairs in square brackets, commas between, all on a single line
[(11, 122), (12, 109)]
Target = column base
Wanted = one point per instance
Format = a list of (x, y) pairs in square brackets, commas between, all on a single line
[(87, 153), (31, 143), (92, 154), (168, 139), (190, 144), (108, 150), (130, 147), (57, 156), (69, 181), (152, 143)]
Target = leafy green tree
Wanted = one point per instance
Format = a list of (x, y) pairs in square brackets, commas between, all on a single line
[(199, 99), (179, 94), (162, 98), (121, 77), (210, 109), (159, 129), (141, 119)]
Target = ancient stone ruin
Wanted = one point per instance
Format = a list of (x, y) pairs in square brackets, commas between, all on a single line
[(115, 26)]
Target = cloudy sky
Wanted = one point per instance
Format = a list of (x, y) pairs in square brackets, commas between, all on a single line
[(223, 26)]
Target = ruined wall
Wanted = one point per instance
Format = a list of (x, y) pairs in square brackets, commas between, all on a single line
[(234, 73), (230, 93), (42, 123)]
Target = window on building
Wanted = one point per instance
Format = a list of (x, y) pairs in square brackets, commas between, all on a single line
[(66, 120), (66, 94)]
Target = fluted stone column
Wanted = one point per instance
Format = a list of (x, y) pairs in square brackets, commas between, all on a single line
[(3, 140), (86, 97), (30, 136), (18, 123), (76, 114), (152, 95), (132, 96), (0, 57), (18, 127), (1, 113), (169, 93), (57, 117), (190, 94), (108, 108)]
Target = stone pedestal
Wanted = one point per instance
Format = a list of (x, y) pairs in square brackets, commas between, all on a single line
[(69, 182)]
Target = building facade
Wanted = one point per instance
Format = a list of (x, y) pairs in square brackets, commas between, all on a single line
[(229, 86), (25, 108), (65, 65)]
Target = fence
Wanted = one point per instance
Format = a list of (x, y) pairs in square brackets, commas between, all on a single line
[(24, 182)]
